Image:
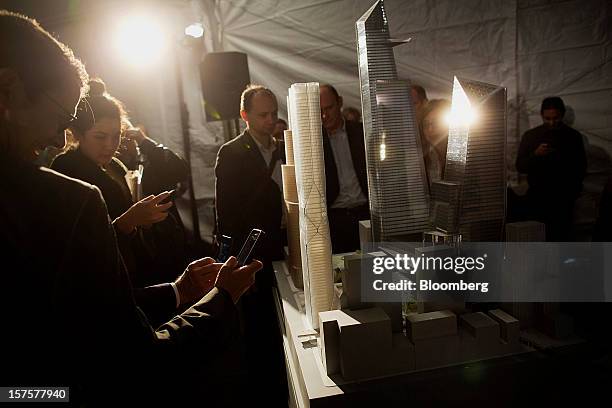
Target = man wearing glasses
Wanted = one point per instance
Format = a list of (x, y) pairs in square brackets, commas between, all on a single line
[(68, 313)]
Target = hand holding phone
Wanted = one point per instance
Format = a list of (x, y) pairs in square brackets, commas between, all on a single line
[(170, 197), (248, 246)]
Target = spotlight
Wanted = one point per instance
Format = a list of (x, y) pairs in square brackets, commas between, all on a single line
[(140, 40), (195, 30)]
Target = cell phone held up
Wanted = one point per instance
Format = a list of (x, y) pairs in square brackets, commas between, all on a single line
[(170, 197), (244, 256)]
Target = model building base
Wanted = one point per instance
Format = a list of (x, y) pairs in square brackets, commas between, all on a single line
[(360, 344)]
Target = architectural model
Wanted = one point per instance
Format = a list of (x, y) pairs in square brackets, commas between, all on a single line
[(310, 176), (292, 212), (399, 204), (475, 159)]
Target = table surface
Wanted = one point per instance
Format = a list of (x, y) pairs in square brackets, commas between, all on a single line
[(483, 381)]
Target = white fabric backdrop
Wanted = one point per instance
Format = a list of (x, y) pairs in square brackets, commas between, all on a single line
[(534, 48)]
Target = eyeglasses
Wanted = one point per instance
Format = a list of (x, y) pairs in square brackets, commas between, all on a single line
[(83, 107)]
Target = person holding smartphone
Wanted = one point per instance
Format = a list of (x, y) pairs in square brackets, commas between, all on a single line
[(248, 195), (97, 129), (67, 301), (553, 157)]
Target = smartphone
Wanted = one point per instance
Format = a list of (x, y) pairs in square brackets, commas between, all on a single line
[(171, 197), (248, 246), (225, 244)]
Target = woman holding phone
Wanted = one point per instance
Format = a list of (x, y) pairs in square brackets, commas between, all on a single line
[(97, 129)]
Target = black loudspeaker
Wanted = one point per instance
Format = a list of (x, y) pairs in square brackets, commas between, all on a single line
[(224, 75)]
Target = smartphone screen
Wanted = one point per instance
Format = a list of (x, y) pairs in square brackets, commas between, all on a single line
[(247, 247)]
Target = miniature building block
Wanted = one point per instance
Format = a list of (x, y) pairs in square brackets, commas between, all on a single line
[(525, 312), (433, 324), (436, 351), (329, 340), (351, 279), (394, 311), (509, 326), (365, 342), (401, 357), (481, 336), (365, 234)]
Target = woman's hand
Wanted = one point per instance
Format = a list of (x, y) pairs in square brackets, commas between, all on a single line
[(149, 210)]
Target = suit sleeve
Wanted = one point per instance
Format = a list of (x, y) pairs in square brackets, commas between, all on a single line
[(525, 156), (227, 188), (167, 167), (107, 326)]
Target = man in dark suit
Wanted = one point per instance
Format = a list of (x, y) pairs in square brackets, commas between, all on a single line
[(66, 305), (345, 172), (248, 192), (248, 188)]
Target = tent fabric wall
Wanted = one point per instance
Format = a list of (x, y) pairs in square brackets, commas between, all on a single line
[(535, 48)]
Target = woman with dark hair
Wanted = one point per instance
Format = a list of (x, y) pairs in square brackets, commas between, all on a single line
[(97, 131), (434, 137)]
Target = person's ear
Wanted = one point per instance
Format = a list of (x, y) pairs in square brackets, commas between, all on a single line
[(243, 115), (11, 89)]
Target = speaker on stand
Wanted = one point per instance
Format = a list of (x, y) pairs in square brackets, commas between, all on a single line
[(224, 75)]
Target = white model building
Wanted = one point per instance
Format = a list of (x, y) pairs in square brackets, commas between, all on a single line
[(310, 176)]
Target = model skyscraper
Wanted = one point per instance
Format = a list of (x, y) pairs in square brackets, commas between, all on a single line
[(475, 159), (310, 176), (399, 204)]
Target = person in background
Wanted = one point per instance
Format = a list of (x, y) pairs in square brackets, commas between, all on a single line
[(553, 157), (97, 131), (351, 114), (163, 170), (248, 194), (78, 325), (345, 172), (419, 100), (434, 138), (279, 129)]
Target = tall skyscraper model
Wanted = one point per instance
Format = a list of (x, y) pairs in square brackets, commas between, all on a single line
[(315, 241), (475, 158), (399, 203)]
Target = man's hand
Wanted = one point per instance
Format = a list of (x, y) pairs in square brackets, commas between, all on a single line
[(543, 150), (197, 280), (236, 280)]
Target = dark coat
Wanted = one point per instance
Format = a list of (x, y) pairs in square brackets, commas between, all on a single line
[(559, 174), (66, 303), (159, 301), (354, 132), (246, 197)]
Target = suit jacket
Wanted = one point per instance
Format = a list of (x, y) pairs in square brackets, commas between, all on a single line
[(246, 197), (66, 304), (354, 132), (158, 301)]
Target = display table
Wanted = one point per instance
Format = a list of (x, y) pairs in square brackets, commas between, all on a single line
[(499, 381)]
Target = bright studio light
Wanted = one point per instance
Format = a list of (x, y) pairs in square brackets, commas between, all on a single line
[(194, 30), (140, 40), (461, 114)]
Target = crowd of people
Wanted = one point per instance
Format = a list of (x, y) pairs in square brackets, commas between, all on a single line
[(102, 280)]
